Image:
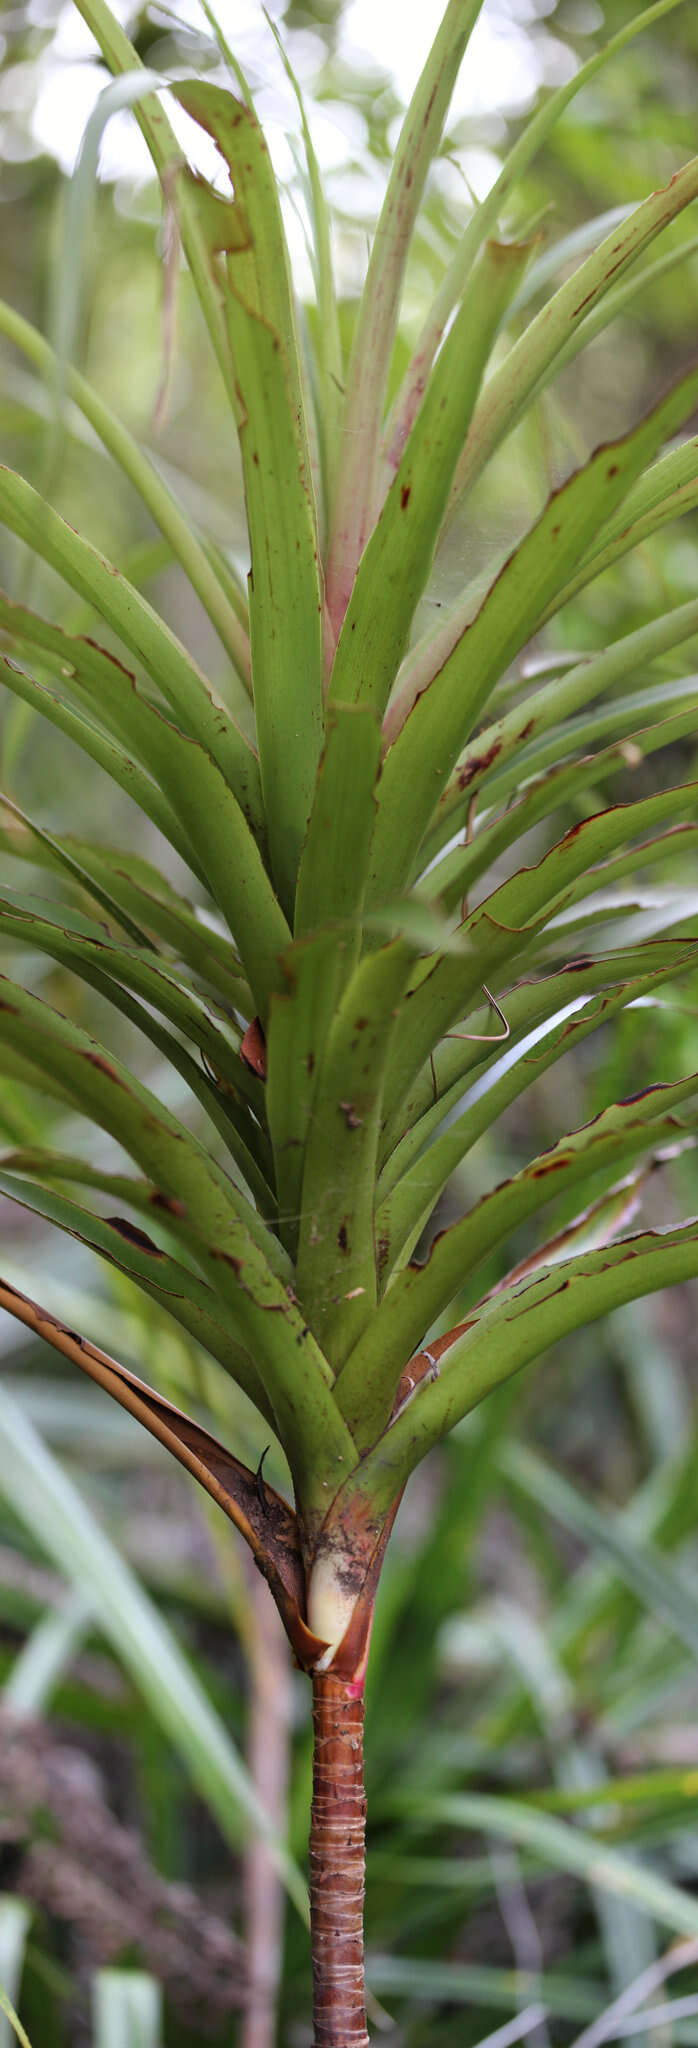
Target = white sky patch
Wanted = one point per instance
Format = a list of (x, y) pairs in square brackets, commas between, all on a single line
[(499, 69), (502, 70)]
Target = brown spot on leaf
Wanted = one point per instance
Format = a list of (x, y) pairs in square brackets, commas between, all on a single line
[(551, 1166), (227, 1257), (133, 1235), (342, 1238), (108, 656), (353, 1122), (405, 496), (97, 1059), (167, 1202), (478, 765), (253, 1050)]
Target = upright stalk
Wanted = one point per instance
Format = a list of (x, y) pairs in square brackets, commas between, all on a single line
[(337, 1863)]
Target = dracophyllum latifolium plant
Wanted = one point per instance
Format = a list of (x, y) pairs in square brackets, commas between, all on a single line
[(359, 1010)]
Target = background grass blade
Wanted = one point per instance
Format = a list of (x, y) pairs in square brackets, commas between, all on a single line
[(15, 1922), (47, 1502), (127, 2006)]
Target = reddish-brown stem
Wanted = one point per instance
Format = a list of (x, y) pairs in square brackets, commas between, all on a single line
[(337, 1864)]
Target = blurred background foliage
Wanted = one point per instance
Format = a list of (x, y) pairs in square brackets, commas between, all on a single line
[(537, 1629)]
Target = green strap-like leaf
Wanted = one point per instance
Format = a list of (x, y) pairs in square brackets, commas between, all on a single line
[(105, 691), (336, 1265), (427, 747), (108, 755), (583, 847), (174, 525), (507, 1334), (334, 863), (505, 924), (101, 1086), (534, 356), (669, 489), (484, 219), (180, 189), (679, 839), (143, 899), (196, 792), (635, 719), (545, 708), (120, 605), (372, 347), (408, 1201), (49, 851), (285, 585), (190, 1302), (398, 556), (113, 970), (326, 337), (500, 1074), (268, 1323), (459, 870), (299, 1024), (231, 859), (420, 1294)]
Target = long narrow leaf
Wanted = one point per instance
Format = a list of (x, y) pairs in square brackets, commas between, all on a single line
[(546, 708), (547, 1020), (525, 367), (291, 1366), (398, 557), (113, 969), (285, 587), (436, 727), (372, 347), (134, 1252), (506, 923), (141, 899), (484, 219), (511, 1331), (336, 1266), (180, 188), (175, 527), (120, 605), (110, 757), (421, 1293)]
